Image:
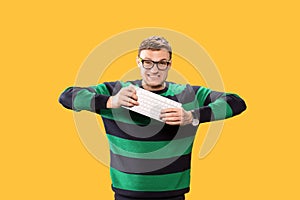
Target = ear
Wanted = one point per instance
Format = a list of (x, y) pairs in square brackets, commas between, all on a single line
[(138, 62), (170, 65)]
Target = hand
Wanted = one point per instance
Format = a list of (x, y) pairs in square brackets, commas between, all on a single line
[(125, 97), (176, 116)]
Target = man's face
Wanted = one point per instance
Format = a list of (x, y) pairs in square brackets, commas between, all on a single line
[(154, 78)]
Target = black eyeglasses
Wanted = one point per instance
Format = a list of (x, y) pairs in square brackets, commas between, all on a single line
[(149, 64)]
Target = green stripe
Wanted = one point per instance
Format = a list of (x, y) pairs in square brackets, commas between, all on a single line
[(82, 100), (190, 106), (149, 183), (126, 84), (150, 149), (201, 95), (220, 109), (174, 89), (101, 89), (199, 99)]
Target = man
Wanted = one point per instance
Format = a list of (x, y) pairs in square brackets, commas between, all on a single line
[(150, 159)]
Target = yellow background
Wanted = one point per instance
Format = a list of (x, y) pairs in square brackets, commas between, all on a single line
[(255, 45)]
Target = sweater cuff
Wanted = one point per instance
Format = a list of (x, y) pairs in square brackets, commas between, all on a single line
[(205, 114), (99, 102)]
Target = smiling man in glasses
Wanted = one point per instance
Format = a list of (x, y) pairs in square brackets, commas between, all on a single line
[(154, 62), (150, 159)]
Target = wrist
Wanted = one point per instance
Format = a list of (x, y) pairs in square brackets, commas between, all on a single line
[(109, 102), (195, 119), (190, 119)]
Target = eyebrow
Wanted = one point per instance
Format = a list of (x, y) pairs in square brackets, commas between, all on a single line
[(146, 58)]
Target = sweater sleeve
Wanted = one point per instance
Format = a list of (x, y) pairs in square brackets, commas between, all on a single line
[(92, 98), (213, 105)]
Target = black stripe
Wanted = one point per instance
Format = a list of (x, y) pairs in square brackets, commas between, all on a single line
[(152, 132), (186, 96), (212, 97), (65, 98), (236, 104), (113, 87), (150, 166), (205, 114), (149, 195), (99, 102)]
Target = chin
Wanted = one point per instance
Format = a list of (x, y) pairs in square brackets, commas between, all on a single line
[(154, 84)]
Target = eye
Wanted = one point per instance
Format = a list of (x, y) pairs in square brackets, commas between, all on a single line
[(148, 62), (163, 62)]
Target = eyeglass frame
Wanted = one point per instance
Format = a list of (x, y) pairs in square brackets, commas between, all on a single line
[(154, 63)]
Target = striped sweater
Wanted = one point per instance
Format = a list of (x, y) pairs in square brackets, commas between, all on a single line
[(149, 158)]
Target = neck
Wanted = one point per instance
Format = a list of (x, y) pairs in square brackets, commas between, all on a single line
[(153, 88)]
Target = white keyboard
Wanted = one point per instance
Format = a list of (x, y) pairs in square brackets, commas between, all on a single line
[(151, 104)]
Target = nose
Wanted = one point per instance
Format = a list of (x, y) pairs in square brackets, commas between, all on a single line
[(154, 69)]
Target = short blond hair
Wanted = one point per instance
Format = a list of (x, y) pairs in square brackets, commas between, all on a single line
[(155, 43)]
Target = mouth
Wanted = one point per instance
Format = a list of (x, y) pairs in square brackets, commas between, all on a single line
[(153, 76)]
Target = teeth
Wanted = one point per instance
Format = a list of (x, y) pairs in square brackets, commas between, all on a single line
[(153, 76)]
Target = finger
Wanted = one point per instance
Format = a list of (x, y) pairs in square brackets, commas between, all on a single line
[(133, 101), (173, 122), (127, 101), (131, 94), (131, 89), (134, 97), (170, 110), (169, 115), (172, 119)]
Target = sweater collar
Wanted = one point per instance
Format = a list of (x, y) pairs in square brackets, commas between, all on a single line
[(157, 91)]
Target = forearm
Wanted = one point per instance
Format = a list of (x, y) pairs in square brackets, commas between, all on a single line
[(227, 106), (83, 98), (218, 105)]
